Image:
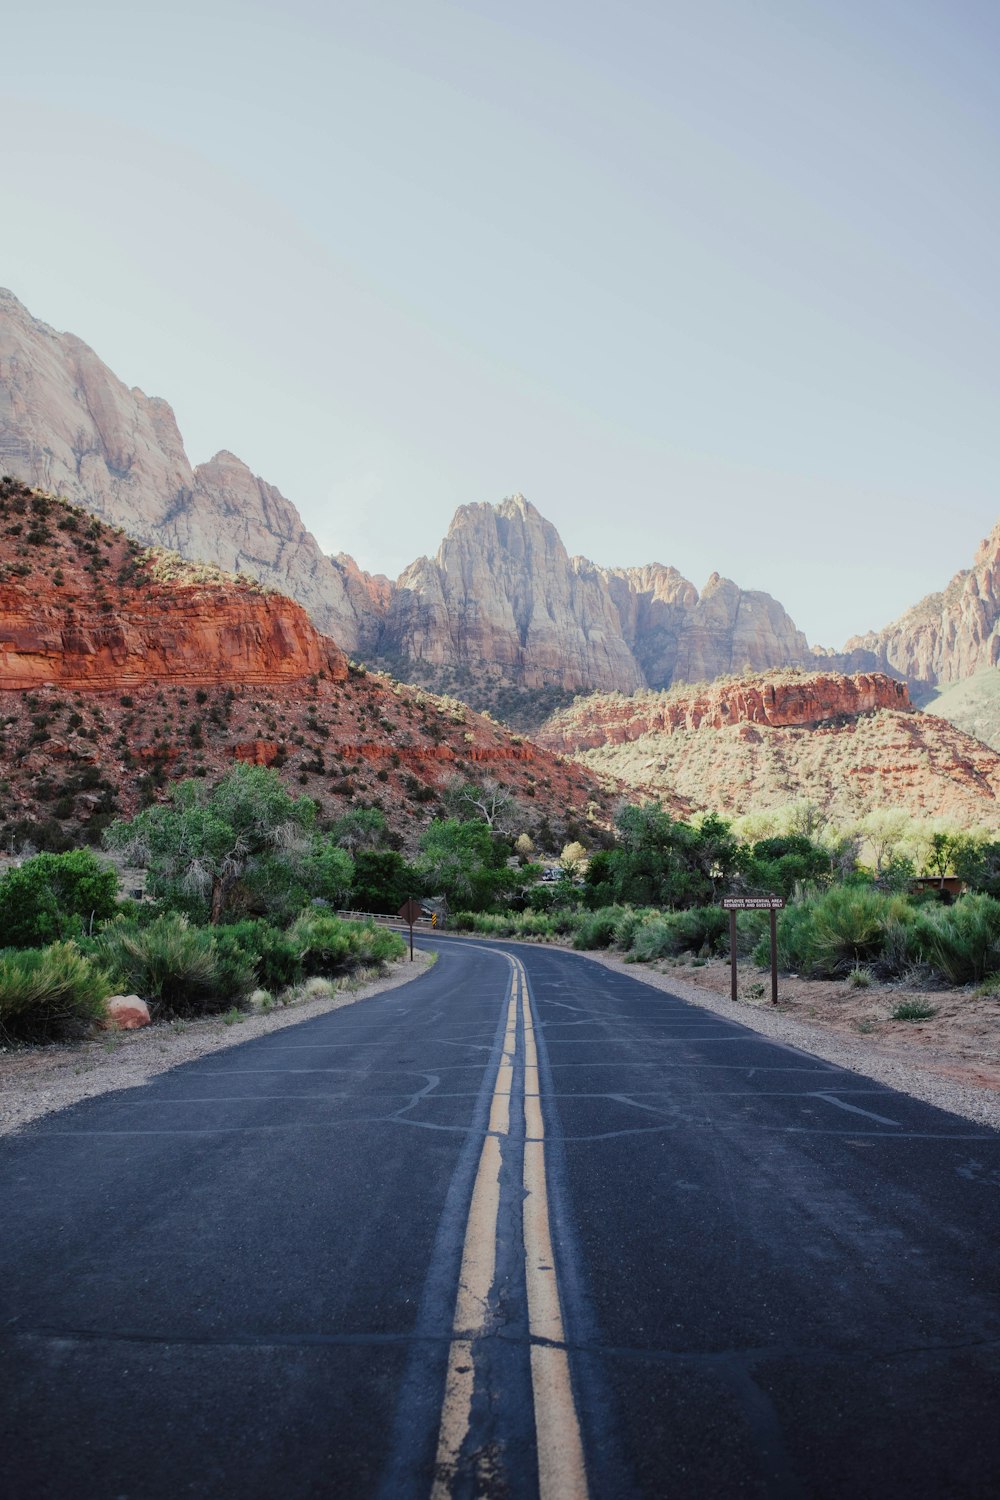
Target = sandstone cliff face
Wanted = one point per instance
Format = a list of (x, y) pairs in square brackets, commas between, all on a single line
[(947, 637), (502, 593), (780, 701), (83, 608), (730, 630), (68, 425), (120, 670), (192, 635), (502, 600), (654, 605), (849, 744)]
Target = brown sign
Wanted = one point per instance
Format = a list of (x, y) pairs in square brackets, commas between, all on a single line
[(410, 912), (753, 903)]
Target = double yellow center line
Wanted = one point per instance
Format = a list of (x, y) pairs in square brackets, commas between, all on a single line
[(561, 1471)]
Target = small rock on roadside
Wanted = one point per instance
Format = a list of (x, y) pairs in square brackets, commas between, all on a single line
[(126, 1013)]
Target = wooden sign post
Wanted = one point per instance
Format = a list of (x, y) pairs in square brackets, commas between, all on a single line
[(410, 912), (772, 904)]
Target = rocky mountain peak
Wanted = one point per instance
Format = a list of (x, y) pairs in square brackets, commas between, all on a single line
[(70, 426), (948, 636)]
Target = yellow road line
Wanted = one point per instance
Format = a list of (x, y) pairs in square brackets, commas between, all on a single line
[(475, 1281), (561, 1470), (562, 1474)]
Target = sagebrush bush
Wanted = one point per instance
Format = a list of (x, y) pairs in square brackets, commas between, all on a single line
[(49, 994), (597, 929), (665, 934), (655, 937), (175, 966), (627, 924), (509, 924), (702, 929), (328, 945), (276, 960), (962, 941), (830, 934)]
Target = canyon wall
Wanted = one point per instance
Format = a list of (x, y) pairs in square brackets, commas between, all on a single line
[(781, 701)]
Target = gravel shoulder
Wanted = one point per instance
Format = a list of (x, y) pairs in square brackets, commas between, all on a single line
[(36, 1081), (951, 1060)]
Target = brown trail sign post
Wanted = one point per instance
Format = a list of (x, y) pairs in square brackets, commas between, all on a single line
[(411, 911), (772, 904)]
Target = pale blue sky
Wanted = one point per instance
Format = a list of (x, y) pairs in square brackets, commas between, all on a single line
[(712, 283)]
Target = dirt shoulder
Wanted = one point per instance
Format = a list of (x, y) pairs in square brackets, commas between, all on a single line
[(951, 1060), (35, 1081)]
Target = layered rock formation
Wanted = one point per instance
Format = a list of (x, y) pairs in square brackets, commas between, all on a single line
[(501, 603), (947, 637), (851, 744), (121, 670), (502, 599), (59, 624), (68, 425), (502, 593), (778, 702)]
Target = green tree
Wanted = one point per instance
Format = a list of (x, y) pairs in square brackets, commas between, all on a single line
[(464, 863), (663, 862), (361, 828), (53, 896), (327, 872), (489, 800), (941, 849), (977, 862), (383, 881), (774, 866), (200, 845)]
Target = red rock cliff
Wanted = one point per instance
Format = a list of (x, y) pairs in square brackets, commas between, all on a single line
[(82, 607), (782, 701)]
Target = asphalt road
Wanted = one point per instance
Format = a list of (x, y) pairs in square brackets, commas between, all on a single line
[(522, 1228)]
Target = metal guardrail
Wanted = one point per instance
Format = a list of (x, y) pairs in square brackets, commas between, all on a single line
[(385, 920)]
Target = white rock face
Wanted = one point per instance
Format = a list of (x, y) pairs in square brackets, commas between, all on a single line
[(69, 425), (502, 591), (947, 637), (501, 599)]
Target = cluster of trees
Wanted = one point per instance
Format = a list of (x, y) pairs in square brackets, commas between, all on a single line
[(661, 861), (248, 848), (246, 882)]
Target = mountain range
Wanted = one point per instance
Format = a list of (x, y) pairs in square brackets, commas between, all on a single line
[(501, 615), (124, 668)]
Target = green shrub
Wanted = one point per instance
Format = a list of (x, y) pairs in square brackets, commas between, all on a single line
[(381, 946), (830, 934), (962, 941), (511, 924), (913, 1010), (627, 924), (235, 967), (47, 994), (54, 896), (276, 960), (328, 945), (597, 929), (175, 966), (656, 937), (751, 928), (702, 929), (654, 934), (325, 945)]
